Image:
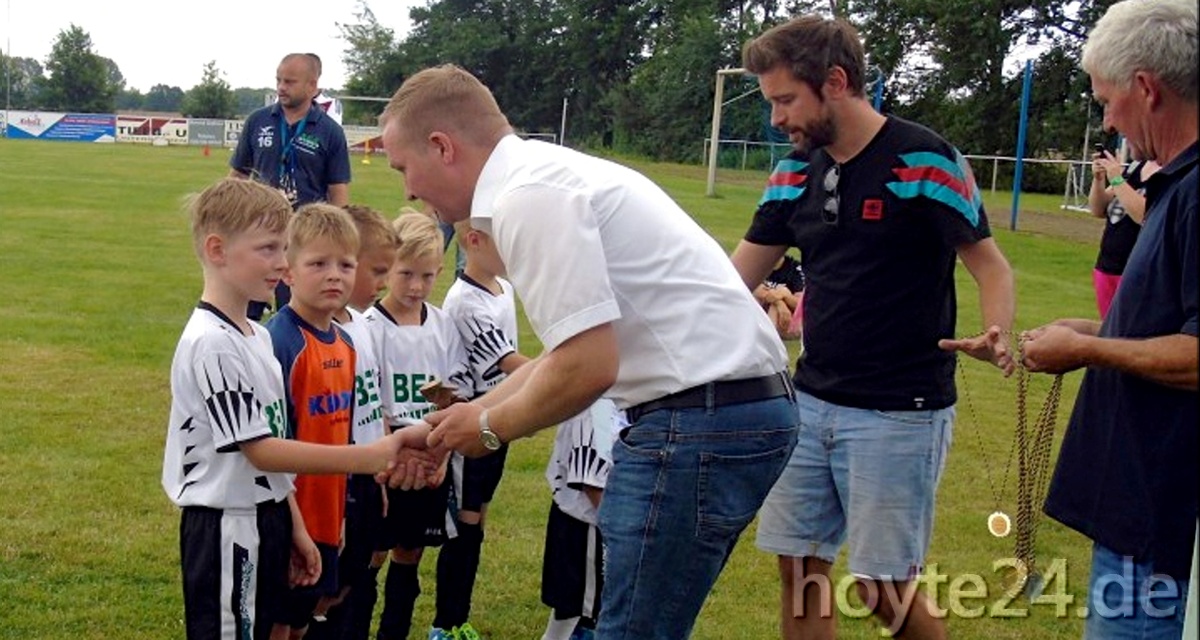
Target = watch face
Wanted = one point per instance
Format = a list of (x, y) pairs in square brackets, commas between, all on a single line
[(490, 440)]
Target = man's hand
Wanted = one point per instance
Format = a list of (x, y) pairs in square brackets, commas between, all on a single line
[(1053, 348), (411, 465), (990, 346), (457, 427)]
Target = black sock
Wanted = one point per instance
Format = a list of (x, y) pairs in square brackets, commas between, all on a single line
[(359, 605), (399, 596), (457, 564)]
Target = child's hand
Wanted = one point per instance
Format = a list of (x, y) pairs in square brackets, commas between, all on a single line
[(305, 567)]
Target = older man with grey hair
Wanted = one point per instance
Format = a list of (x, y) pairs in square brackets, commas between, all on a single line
[(1127, 473)]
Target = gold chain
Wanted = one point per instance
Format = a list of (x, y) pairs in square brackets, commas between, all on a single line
[(1032, 449)]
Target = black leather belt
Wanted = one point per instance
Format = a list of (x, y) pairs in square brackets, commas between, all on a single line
[(718, 394)]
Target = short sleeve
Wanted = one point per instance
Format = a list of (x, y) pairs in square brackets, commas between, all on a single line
[(337, 169), (550, 240), (944, 179), (771, 225), (485, 342), (227, 390)]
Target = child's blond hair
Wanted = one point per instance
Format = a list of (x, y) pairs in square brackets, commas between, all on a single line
[(232, 206), (374, 231), (419, 235), (319, 221)]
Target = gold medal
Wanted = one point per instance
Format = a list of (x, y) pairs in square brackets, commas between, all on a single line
[(999, 524)]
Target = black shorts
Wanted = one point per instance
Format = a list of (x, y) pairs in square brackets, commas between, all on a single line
[(480, 477), (230, 558), (572, 567), (364, 527), (300, 602), (416, 519)]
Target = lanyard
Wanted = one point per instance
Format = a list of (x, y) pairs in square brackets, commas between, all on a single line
[(287, 150)]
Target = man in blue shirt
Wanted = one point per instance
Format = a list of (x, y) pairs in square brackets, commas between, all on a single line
[(1127, 472), (295, 146)]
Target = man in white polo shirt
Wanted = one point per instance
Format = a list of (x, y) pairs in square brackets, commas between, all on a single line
[(633, 300)]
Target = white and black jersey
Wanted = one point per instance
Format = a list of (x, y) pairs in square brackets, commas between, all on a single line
[(487, 323), (368, 402), (582, 457), (226, 390), (411, 355)]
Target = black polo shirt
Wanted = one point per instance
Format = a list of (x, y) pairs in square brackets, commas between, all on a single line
[(1128, 471)]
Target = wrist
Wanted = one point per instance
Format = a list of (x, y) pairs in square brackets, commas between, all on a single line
[(1116, 181)]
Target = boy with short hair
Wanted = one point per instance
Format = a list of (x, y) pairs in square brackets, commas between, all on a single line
[(226, 461), (318, 362), (416, 343), (365, 504), (482, 304)]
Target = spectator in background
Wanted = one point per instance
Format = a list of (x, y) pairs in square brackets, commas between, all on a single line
[(1121, 201), (294, 147)]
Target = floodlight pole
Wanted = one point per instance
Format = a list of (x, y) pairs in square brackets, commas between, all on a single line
[(562, 125), (8, 67), (714, 137)]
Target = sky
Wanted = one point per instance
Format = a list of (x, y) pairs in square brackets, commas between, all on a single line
[(156, 42)]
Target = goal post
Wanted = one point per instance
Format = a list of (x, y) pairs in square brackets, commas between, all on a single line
[(718, 102)]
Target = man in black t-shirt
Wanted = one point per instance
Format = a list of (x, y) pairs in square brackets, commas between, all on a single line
[(880, 209)]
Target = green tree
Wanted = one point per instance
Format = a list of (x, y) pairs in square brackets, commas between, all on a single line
[(79, 80), (212, 98), (247, 99), (161, 97), (374, 68), (130, 100), (24, 80)]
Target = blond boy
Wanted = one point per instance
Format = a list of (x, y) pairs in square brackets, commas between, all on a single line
[(416, 343), (226, 462)]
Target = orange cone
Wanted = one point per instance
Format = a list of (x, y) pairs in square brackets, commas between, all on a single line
[(206, 151)]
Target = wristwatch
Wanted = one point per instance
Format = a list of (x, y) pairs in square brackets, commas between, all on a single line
[(490, 440)]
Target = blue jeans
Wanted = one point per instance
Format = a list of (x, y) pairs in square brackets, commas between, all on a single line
[(683, 487), (1127, 600), (871, 475)]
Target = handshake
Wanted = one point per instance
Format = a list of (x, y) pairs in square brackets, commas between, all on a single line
[(410, 463)]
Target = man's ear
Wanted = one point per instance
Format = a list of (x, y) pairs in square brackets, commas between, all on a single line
[(1148, 89), (214, 249), (835, 82), (443, 145)]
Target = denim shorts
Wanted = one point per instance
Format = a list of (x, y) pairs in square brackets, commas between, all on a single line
[(870, 474), (1127, 600)]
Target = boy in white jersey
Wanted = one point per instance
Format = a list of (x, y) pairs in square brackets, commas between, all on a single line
[(225, 463), (573, 562), (416, 342), (484, 310), (366, 501)]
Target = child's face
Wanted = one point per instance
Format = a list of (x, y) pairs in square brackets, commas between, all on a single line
[(254, 261), (411, 281), (374, 265), (321, 277)]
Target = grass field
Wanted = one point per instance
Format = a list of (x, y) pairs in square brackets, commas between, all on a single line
[(97, 278)]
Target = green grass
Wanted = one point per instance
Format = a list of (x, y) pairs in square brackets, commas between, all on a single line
[(98, 279)]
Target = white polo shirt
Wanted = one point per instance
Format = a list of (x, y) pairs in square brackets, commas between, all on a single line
[(588, 242)]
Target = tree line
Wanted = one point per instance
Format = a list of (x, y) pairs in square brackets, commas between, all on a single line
[(637, 76), (76, 79)]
